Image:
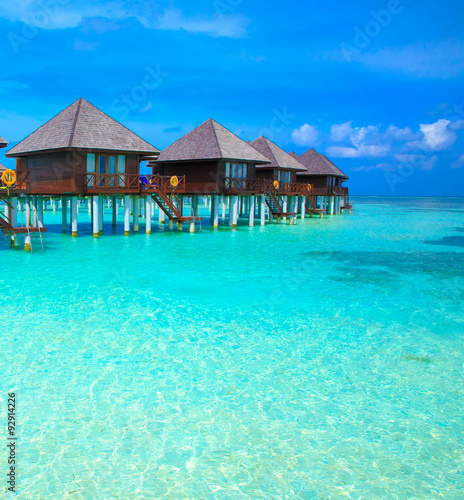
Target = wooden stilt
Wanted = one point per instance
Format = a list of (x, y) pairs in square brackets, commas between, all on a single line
[(148, 214), (95, 216), (126, 215), (251, 213), (64, 214), (74, 216)]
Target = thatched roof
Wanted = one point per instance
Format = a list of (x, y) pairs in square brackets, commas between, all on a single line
[(82, 125), (3, 143), (278, 157), (317, 164), (210, 141)]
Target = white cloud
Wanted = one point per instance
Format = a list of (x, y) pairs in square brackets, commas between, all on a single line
[(359, 152), (442, 59), (232, 26), (340, 132), (60, 15), (306, 135), (400, 134), (357, 136), (438, 136)]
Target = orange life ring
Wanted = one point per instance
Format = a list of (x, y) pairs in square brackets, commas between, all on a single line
[(174, 181), (9, 177), (276, 184)]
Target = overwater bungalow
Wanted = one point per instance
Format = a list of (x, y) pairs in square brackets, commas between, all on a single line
[(81, 151), (84, 152), (326, 179), (282, 171), (214, 162)]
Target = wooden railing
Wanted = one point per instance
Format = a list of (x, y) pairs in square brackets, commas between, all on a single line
[(256, 186), (22, 181), (162, 183), (112, 182), (243, 185)]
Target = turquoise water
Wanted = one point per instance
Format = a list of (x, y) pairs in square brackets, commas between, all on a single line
[(316, 361)]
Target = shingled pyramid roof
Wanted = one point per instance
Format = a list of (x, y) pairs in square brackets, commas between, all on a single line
[(82, 125), (211, 141), (2, 168), (278, 157), (317, 164), (3, 143)]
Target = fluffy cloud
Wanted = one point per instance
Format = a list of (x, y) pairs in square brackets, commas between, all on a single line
[(362, 151), (400, 134), (63, 14), (438, 136), (340, 132), (306, 135)]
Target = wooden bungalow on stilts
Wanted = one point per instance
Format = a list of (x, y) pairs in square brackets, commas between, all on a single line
[(289, 195), (327, 179), (83, 152), (217, 164)]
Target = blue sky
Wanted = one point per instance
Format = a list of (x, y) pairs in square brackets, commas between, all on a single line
[(375, 85)]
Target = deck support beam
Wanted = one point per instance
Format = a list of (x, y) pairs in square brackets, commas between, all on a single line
[(303, 207), (95, 216), (331, 205), (148, 213), (135, 213), (215, 211), (126, 215), (34, 210), (40, 211), (262, 208), (115, 210), (251, 213), (73, 216), (284, 208), (101, 211), (14, 219), (64, 214), (161, 216), (223, 207), (233, 211)]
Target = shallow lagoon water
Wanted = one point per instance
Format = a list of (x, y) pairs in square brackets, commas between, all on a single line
[(316, 361)]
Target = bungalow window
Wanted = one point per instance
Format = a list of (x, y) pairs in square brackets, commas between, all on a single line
[(90, 163), (107, 165), (236, 171)]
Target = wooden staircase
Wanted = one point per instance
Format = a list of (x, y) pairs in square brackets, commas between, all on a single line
[(276, 204), (166, 198)]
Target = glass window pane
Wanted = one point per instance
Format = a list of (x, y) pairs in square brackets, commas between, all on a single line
[(121, 164), (112, 164), (245, 170), (239, 173), (278, 175), (227, 169), (234, 170), (102, 164), (90, 163)]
